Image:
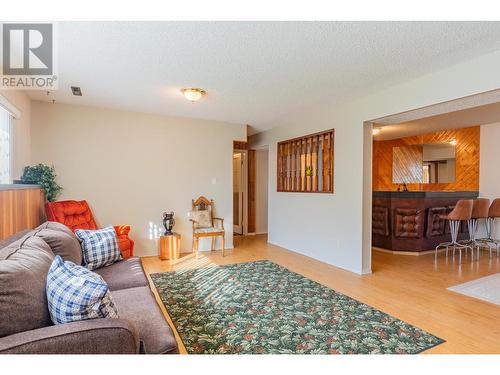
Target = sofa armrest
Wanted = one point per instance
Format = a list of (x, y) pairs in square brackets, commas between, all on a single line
[(95, 336), (122, 230)]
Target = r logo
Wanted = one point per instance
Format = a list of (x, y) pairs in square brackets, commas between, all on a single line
[(27, 49)]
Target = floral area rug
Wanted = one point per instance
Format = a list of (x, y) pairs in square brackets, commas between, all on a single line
[(260, 307)]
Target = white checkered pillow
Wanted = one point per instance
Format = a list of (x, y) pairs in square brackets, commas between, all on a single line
[(75, 293), (99, 247)]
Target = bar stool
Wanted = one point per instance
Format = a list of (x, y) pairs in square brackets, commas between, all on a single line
[(461, 212), (480, 209), (493, 213)]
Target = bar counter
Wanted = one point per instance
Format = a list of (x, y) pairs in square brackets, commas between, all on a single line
[(410, 220)]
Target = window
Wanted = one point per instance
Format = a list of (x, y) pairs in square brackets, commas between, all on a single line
[(5, 147), (305, 164)]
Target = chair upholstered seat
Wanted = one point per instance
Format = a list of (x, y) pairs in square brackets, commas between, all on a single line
[(209, 230)]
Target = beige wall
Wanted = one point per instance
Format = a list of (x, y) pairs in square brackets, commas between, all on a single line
[(133, 166), (21, 130)]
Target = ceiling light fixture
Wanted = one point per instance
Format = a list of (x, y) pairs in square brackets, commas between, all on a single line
[(376, 131), (453, 142), (193, 94)]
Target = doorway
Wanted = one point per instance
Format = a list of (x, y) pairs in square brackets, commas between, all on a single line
[(239, 191), (428, 130)]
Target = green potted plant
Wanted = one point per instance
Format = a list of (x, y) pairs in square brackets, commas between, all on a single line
[(44, 176)]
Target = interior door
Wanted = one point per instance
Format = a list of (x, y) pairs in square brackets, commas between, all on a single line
[(238, 192)]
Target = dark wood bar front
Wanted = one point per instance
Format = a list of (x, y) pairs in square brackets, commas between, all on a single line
[(410, 221)]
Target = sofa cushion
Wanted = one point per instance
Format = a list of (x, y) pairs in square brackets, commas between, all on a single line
[(54, 225), (75, 293), (28, 232), (139, 305), (61, 240), (24, 265), (6, 242), (99, 247), (124, 274)]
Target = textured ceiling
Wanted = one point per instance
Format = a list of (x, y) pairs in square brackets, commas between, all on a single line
[(254, 72)]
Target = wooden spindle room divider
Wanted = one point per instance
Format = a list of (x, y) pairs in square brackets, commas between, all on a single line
[(305, 164)]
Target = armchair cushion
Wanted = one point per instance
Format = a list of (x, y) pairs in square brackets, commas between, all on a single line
[(73, 214), (201, 218)]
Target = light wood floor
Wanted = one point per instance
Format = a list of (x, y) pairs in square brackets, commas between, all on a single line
[(410, 288)]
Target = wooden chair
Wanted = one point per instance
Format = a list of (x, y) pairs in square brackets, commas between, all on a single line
[(214, 231)]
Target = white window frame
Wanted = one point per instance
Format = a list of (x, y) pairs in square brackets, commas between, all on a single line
[(14, 114), (9, 107), (8, 116)]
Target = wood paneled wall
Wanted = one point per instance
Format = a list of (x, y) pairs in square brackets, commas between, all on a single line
[(407, 164), (20, 209), (466, 154), (240, 145)]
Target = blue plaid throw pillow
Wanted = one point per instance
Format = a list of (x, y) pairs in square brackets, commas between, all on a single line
[(75, 293), (99, 247)]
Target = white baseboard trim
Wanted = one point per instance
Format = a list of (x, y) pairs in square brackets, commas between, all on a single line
[(357, 272), (251, 234)]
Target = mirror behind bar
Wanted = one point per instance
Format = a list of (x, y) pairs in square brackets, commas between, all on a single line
[(429, 163)]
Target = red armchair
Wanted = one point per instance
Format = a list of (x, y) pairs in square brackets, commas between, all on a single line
[(77, 215)]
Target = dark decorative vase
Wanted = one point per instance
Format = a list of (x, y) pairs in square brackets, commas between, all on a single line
[(168, 222)]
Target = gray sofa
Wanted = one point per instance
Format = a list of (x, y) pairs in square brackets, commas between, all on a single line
[(25, 325)]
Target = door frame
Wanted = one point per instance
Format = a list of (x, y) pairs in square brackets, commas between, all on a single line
[(244, 182), (263, 148)]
